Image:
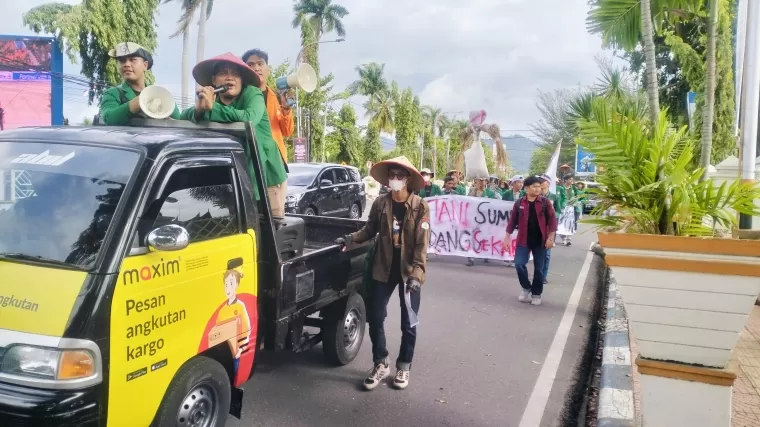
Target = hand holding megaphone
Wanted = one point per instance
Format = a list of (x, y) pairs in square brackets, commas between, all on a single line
[(305, 78)]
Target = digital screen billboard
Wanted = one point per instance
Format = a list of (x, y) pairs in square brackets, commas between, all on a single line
[(31, 90)]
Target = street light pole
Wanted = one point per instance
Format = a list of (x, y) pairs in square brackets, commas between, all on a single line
[(298, 62), (750, 98)]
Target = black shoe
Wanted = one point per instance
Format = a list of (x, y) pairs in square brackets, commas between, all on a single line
[(545, 281)]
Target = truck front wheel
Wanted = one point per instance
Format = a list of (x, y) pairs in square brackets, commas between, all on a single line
[(199, 395), (343, 330)]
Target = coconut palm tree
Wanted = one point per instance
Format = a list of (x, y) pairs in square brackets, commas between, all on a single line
[(189, 8), (320, 17), (371, 80), (380, 110), (622, 23)]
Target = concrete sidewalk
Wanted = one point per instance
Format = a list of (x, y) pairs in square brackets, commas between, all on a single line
[(746, 394)]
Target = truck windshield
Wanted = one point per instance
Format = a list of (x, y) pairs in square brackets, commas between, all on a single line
[(57, 201)]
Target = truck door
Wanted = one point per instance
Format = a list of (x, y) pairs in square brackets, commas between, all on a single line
[(189, 284)]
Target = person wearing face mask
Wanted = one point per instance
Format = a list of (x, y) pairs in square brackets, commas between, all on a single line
[(430, 189), (121, 103), (242, 101), (400, 220), (493, 185)]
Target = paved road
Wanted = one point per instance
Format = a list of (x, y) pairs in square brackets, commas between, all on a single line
[(479, 354)]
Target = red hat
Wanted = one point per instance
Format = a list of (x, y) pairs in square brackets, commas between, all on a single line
[(204, 70)]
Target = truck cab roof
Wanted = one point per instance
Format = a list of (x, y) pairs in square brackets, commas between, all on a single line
[(150, 136)]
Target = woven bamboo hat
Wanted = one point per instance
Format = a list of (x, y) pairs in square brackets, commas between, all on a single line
[(379, 171)]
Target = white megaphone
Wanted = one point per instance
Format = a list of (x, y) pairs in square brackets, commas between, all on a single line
[(157, 102), (305, 78)]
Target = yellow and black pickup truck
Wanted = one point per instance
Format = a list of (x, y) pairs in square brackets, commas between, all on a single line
[(141, 273)]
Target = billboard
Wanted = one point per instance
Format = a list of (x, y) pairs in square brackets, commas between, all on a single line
[(31, 86), (584, 162)]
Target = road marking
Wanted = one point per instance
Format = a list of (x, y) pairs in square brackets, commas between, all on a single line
[(534, 411)]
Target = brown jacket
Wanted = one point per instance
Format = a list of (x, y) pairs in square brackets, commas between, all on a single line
[(415, 237)]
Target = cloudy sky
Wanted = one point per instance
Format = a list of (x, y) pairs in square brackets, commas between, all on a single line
[(458, 56)]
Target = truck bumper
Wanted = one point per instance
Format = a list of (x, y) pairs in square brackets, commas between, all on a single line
[(31, 407)]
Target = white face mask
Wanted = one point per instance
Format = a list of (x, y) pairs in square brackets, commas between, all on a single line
[(426, 178), (397, 184)]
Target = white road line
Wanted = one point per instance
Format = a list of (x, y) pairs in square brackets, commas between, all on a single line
[(534, 411)]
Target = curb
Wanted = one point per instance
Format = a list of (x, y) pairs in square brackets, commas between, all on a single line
[(615, 402)]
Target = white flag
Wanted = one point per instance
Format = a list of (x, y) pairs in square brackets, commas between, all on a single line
[(551, 170)]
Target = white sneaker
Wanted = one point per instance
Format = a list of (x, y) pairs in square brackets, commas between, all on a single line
[(536, 300), (379, 372), (524, 296), (402, 379)]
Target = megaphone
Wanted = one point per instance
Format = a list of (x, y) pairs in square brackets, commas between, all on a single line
[(305, 78), (157, 102)]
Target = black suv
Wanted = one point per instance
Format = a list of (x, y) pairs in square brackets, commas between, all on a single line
[(325, 189)]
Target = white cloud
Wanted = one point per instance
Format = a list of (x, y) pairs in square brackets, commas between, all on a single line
[(489, 54)]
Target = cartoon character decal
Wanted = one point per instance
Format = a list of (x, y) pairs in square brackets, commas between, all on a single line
[(234, 322)]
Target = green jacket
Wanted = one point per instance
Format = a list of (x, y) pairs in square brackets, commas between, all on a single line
[(249, 107), (435, 190), (565, 196), (487, 193), (461, 189), (509, 195), (553, 197), (114, 111)]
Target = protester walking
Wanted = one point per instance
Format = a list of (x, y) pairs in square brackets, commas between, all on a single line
[(546, 181), (400, 219), (536, 224), (567, 195), (430, 189)]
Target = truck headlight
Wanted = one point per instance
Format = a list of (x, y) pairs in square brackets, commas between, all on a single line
[(48, 363)]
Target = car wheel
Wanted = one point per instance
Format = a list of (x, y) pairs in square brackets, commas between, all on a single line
[(343, 330), (199, 395), (309, 211), (356, 211)]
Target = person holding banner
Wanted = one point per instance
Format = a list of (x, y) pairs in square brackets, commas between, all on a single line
[(479, 189), (401, 221), (461, 189), (430, 189), (536, 224), (448, 187), (516, 191), (567, 195)]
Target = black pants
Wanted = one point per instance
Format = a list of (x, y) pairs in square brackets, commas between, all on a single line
[(378, 312)]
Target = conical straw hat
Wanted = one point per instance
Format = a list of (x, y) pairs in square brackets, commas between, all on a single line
[(379, 171)]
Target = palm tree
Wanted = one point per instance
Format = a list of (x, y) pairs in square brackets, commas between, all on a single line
[(431, 117), (183, 27), (623, 22), (371, 80), (380, 110), (322, 15)]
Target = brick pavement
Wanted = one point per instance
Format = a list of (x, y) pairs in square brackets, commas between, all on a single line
[(746, 394)]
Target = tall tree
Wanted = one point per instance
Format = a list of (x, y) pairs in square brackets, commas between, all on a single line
[(349, 141), (371, 80), (322, 15), (89, 30), (189, 7), (372, 146), (407, 120)]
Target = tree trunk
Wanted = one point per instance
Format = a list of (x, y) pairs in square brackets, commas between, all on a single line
[(708, 111), (651, 66), (185, 101), (202, 31)]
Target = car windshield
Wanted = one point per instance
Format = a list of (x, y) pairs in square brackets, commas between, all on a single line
[(57, 201), (301, 176)]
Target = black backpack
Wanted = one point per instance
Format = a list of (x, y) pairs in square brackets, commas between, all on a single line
[(545, 202), (122, 98)]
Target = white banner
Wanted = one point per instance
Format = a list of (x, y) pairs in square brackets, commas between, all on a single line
[(470, 227), (566, 224)]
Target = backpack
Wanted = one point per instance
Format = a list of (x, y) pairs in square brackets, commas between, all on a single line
[(122, 98), (545, 202)]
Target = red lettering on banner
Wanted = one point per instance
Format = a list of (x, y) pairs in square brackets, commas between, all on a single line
[(497, 248), (444, 209)]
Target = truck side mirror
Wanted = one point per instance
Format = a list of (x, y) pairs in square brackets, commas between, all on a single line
[(168, 237)]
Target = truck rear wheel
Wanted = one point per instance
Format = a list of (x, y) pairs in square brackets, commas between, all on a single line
[(198, 396), (343, 330)]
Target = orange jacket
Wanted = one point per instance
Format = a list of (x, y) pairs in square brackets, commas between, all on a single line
[(282, 124)]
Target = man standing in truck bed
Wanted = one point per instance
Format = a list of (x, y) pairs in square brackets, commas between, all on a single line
[(401, 218)]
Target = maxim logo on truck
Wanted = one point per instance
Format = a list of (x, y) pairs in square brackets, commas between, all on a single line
[(43, 159), (150, 272)]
